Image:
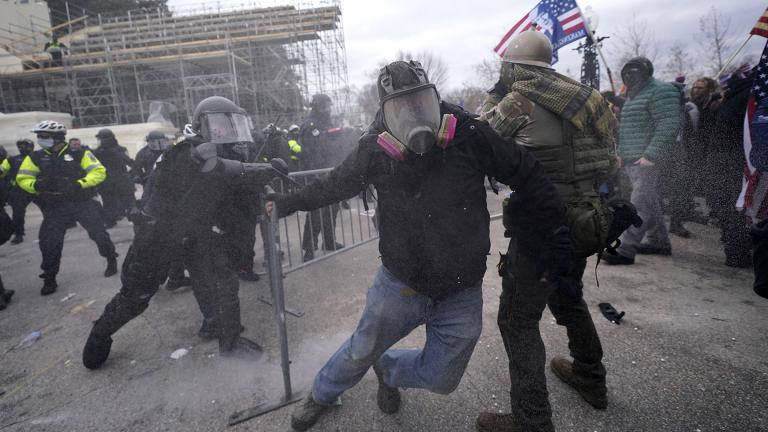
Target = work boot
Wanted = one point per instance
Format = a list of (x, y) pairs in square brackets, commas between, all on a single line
[(18, 238), (388, 398), (111, 266), (496, 422), (307, 412), (333, 246), (96, 350), (209, 330), (49, 286), (594, 395), (648, 249), (5, 298), (679, 230), (174, 284), (239, 347), (248, 275), (309, 255)]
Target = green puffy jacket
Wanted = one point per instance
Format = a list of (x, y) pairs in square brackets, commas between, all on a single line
[(650, 122)]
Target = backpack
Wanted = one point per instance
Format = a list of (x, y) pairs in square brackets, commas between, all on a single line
[(596, 224)]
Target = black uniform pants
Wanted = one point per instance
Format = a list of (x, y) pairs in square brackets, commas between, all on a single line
[(760, 256), (240, 241), (321, 220), (117, 199), (56, 219), (521, 304), (676, 185), (19, 200), (146, 266)]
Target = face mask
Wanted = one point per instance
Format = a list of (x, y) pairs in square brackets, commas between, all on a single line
[(398, 151), (45, 143)]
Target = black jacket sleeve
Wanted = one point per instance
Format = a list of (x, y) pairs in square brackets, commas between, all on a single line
[(512, 165), (343, 182)]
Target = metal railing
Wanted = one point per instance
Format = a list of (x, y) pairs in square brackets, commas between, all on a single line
[(356, 226)]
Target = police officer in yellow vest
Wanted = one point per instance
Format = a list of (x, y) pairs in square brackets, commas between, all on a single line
[(569, 128), (295, 147), (62, 181)]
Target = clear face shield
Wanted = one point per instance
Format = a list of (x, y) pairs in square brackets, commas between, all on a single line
[(231, 131), (159, 144), (413, 117)]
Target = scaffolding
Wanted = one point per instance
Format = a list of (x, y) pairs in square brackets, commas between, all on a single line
[(269, 60)]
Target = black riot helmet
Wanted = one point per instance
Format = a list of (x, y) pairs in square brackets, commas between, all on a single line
[(410, 105), (25, 146), (321, 102), (219, 121), (106, 138), (156, 140)]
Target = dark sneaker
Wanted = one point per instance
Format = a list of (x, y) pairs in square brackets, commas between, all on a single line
[(617, 259), (209, 331), (308, 255), (18, 238), (493, 422), (49, 287), (248, 275), (174, 284), (333, 247), (307, 412), (388, 398), (240, 348), (679, 230), (595, 396), (111, 267), (647, 249), (96, 350)]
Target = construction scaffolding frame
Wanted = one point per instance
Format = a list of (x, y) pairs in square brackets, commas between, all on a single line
[(267, 59)]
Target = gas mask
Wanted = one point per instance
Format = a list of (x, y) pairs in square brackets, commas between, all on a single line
[(413, 123)]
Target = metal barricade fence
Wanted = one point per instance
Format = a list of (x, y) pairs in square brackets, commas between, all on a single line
[(284, 254)]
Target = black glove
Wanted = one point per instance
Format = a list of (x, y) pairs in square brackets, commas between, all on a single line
[(72, 187), (284, 202), (279, 165), (45, 185), (555, 258)]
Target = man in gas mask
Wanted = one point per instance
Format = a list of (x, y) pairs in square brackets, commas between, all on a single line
[(117, 191), (427, 160), (185, 208), (63, 183), (570, 129)]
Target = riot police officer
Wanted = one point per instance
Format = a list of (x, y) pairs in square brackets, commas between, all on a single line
[(157, 143), (17, 197), (316, 144), (63, 183), (192, 187), (117, 192)]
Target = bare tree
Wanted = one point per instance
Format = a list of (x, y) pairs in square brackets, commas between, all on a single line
[(678, 63), (635, 40), (434, 66), (468, 96), (715, 31), (487, 72)]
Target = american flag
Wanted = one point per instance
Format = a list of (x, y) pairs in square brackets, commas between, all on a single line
[(761, 28), (560, 20), (754, 193)]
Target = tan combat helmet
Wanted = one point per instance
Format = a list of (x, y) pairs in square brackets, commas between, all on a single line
[(530, 48)]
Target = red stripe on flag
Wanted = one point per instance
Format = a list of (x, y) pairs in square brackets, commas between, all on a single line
[(510, 33), (574, 28), (526, 28), (569, 19), (759, 32)]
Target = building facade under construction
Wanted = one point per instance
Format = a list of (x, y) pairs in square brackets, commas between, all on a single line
[(125, 69)]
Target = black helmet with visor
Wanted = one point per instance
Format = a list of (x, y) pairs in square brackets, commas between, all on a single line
[(219, 121)]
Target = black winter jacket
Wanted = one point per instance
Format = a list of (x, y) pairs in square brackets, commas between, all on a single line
[(434, 221)]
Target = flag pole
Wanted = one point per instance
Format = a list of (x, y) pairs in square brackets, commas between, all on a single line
[(728, 63), (597, 45)]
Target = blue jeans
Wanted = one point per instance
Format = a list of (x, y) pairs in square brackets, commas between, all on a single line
[(391, 312)]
